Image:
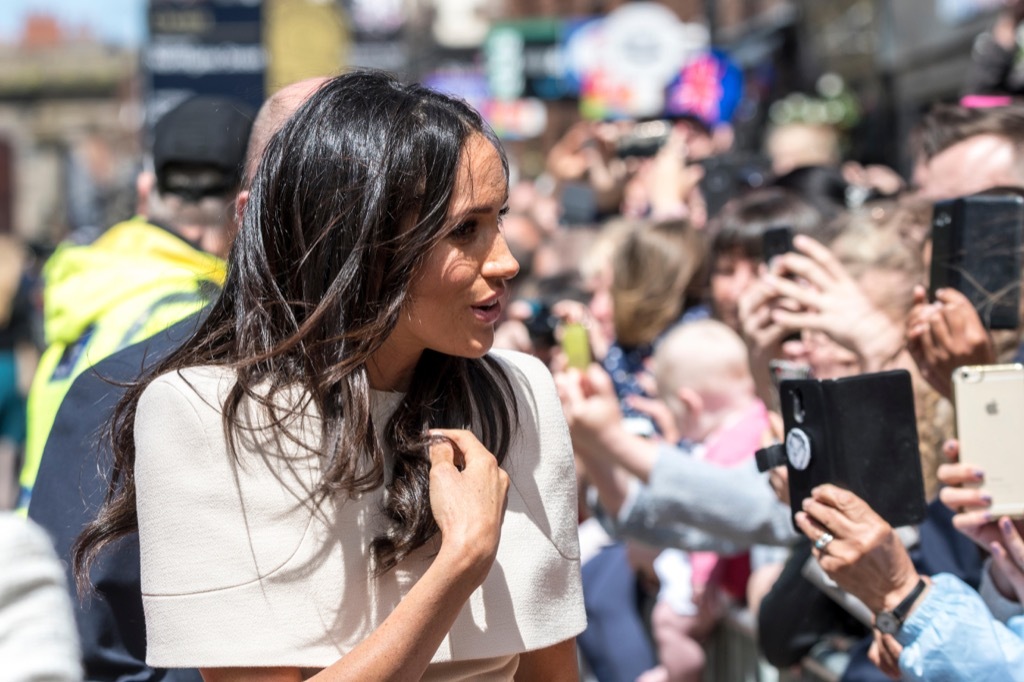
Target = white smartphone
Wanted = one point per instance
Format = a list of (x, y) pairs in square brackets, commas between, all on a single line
[(989, 410)]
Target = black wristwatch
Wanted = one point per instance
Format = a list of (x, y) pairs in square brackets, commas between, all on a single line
[(890, 622)]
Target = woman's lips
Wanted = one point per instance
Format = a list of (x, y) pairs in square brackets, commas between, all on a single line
[(489, 310), (488, 314)]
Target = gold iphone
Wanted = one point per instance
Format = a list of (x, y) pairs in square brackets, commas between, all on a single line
[(989, 411)]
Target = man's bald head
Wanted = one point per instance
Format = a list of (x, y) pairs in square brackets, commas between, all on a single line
[(277, 109)]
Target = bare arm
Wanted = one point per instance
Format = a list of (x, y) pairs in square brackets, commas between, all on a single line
[(556, 662), (595, 423), (610, 481)]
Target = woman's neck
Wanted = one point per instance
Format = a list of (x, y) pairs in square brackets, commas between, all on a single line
[(389, 370)]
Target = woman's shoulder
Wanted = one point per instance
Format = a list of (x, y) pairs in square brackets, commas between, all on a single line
[(533, 390), (207, 384), (183, 401), (523, 370), (199, 377), (516, 359)]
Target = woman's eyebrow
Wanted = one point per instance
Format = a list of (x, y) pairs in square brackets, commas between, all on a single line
[(483, 209)]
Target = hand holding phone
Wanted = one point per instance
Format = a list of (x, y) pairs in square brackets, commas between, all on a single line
[(859, 433), (945, 335), (989, 403), (964, 493)]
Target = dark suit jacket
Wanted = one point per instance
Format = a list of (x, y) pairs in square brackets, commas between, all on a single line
[(69, 490)]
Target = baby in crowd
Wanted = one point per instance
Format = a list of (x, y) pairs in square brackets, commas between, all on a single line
[(704, 378)]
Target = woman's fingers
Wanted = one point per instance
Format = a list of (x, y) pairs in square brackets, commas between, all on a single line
[(788, 319), (794, 265), (1012, 541), (659, 413), (926, 338), (828, 517), (972, 523), (568, 310), (443, 452), (810, 526), (920, 295), (778, 478), (838, 511), (755, 299), (806, 297), (755, 319), (942, 332), (951, 450), (965, 499), (597, 381), (955, 310), (570, 390), (842, 506), (467, 451), (822, 256), (1003, 563), (887, 654), (952, 298)]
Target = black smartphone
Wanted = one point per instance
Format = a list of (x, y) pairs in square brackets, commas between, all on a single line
[(776, 241), (976, 243), (859, 433)]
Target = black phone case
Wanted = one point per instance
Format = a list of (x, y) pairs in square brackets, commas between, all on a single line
[(776, 241), (862, 436), (976, 243)]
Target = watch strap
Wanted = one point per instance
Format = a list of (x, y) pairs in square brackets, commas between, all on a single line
[(899, 614)]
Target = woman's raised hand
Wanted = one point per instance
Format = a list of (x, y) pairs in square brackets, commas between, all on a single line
[(857, 548), (962, 492), (833, 303), (468, 495)]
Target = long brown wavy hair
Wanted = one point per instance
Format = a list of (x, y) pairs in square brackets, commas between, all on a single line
[(317, 278)]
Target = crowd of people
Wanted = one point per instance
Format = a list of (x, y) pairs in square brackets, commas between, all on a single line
[(350, 398)]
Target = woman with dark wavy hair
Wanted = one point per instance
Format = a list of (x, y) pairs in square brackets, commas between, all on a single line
[(311, 474)]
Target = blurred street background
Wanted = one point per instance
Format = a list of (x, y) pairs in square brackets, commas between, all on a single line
[(79, 81)]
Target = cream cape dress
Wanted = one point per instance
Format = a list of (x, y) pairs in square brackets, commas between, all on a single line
[(239, 568)]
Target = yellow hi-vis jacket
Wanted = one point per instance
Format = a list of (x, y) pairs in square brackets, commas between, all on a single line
[(134, 281)]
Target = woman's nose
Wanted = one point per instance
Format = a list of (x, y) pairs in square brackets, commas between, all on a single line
[(500, 263)]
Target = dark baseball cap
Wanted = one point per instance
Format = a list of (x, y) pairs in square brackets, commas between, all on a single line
[(205, 132)]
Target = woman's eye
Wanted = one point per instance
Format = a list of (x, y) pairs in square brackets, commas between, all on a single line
[(464, 230)]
